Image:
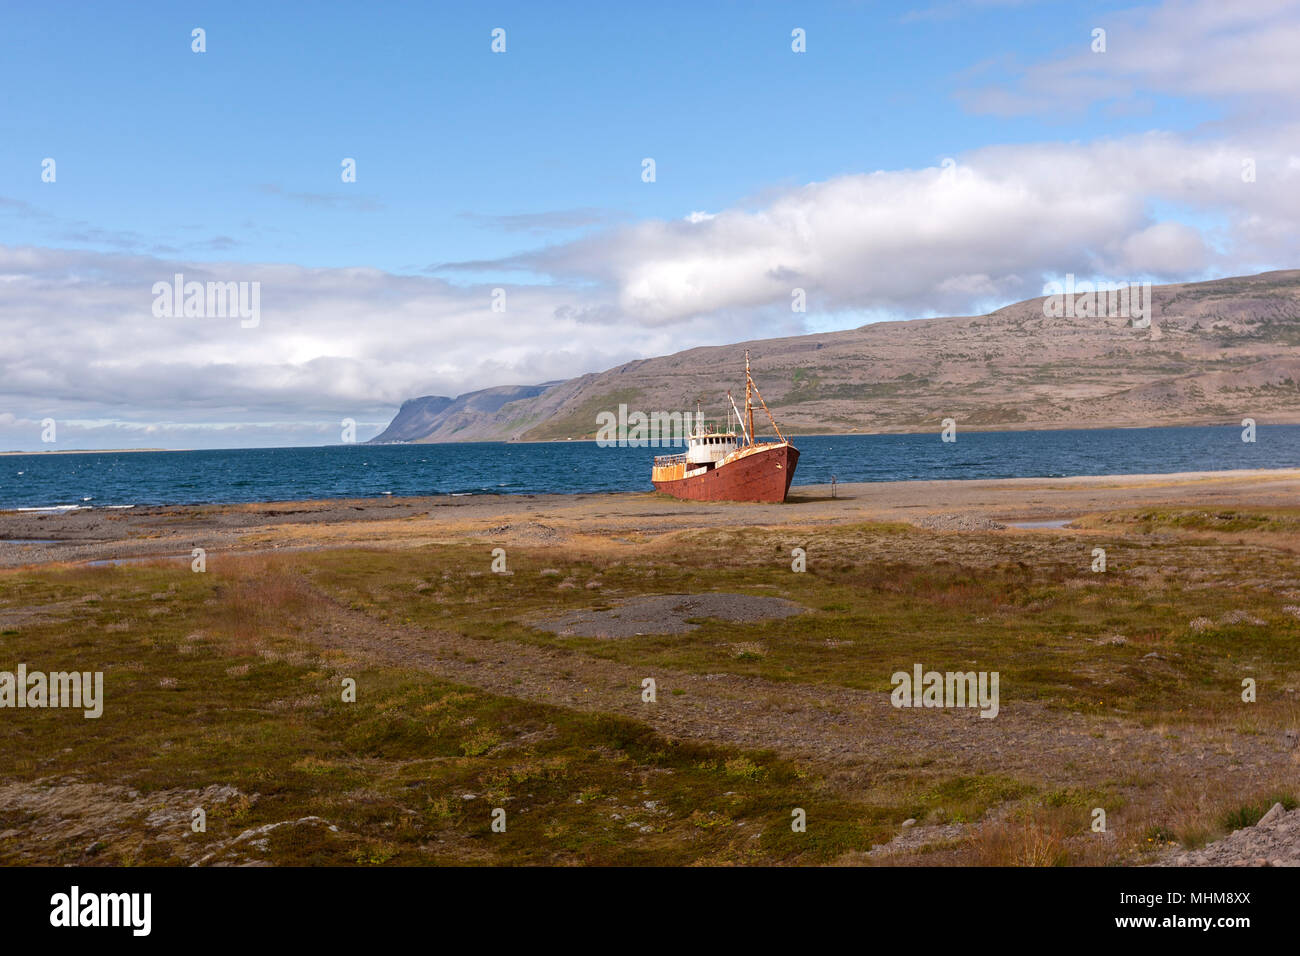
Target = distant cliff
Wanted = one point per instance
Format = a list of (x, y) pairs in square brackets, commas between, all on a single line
[(1215, 352), (474, 415)]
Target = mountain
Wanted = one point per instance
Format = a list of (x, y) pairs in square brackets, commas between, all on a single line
[(437, 418), (1215, 352)]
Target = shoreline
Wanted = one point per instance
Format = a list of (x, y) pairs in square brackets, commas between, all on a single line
[(617, 518), (797, 491)]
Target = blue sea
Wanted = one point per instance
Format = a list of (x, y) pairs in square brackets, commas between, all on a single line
[(492, 468)]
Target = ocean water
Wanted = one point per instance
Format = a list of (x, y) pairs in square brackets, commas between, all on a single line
[(357, 471)]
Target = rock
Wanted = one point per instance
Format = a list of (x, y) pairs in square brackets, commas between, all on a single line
[(909, 822), (1273, 841), (1240, 617), (1291, 738), (958, 522), (1275, 813)]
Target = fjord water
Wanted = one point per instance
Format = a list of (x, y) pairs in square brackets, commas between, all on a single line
[(359, 471)]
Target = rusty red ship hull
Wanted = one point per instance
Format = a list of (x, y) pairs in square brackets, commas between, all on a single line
[(763, 474)]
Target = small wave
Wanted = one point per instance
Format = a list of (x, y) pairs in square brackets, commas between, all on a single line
[(61, 509)]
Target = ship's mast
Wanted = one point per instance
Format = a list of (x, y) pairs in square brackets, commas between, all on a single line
[(749, 402), (739, 418)]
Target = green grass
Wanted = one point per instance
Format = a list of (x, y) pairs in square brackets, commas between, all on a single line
[(1250, 814), (207, 684), (1275, 520), (210, 680), (882, 599)]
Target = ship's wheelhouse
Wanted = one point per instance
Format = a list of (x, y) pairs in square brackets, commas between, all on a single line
[(709, 448)]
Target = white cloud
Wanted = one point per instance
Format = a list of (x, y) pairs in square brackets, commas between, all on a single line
[(81, 338), (936, 241), (1243, 51), (81, 341)]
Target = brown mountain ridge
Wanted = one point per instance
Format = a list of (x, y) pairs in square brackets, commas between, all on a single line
[(1215, 352)]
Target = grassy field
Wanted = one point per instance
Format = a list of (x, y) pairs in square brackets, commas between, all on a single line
[(221, 695), (884, 596)]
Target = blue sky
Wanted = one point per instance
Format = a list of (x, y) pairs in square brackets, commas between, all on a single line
[(821, 171), (162, 147)]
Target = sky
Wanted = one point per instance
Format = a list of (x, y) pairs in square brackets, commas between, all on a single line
[(940, 158)]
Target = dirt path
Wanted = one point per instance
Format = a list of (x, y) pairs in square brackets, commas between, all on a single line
[(848, 730)]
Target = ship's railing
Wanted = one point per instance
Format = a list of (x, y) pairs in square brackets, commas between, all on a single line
[(664, 460)]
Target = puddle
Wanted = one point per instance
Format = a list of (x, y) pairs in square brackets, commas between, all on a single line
[(29, 541), (1040, 524), (118, 562)]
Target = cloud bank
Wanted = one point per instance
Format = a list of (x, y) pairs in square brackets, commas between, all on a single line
[(82, 345)]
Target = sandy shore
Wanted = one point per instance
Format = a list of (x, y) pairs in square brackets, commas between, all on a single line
[(106, 535)]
